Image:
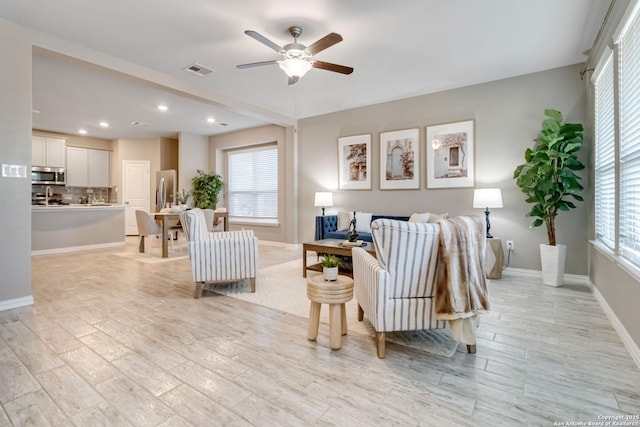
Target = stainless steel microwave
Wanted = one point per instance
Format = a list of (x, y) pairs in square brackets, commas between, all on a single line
[(47, 175)]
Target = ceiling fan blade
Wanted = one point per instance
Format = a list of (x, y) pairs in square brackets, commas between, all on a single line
[(256, 64), (265, 41), (325, 42), (332, 67), (293, 80)]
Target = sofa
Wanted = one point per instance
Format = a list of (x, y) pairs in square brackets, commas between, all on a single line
[(327, 227)]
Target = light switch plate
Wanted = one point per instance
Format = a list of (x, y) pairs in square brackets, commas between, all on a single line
[(14, 171)]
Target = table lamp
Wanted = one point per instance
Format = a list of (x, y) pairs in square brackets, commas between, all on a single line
[(487, 198), (323, 199)]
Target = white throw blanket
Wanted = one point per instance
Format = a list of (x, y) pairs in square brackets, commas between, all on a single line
[(461, 287)]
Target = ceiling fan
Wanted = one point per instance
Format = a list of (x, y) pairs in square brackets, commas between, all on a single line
[(297, 58)]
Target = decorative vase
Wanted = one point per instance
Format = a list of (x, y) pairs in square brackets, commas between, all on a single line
[(553, 260), (330, 273)]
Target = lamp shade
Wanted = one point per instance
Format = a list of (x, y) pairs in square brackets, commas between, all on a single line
[(487, 198), (324, 199), (295, 67)]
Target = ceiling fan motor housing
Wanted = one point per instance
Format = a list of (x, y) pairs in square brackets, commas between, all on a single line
[(298, 58)]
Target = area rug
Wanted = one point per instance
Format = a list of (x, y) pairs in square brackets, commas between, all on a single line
[(283, 288), (150, 258)]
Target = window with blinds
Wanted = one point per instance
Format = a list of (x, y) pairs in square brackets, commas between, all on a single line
[(629, 93), (605, 167), (253, 184)]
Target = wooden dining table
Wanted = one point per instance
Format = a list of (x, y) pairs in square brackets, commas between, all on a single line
[(164, 218)]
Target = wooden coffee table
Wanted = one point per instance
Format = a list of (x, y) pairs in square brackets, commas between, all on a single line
[(333, 247)]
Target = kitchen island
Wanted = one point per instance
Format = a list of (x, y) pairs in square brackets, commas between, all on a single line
[(68, 228)]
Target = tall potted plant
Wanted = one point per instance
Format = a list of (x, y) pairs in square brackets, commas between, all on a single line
[(549, 180), (205, 188)]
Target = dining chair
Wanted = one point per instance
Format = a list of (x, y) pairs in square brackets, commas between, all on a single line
[(209, 214), (175, 230), (218, 221), (147, 227)]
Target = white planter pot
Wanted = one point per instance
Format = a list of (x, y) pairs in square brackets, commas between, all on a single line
[(553, 260), (330, 274)]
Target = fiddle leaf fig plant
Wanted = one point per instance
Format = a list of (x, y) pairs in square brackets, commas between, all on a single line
[(205, 188), (548, 175)]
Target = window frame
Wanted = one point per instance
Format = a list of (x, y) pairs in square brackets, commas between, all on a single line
[(255, 219)]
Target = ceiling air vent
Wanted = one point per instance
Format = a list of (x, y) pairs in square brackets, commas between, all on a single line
[(197, 69)]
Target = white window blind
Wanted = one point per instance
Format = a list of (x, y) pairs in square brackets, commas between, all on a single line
[(605, 175), (253, 184), (629, 88)]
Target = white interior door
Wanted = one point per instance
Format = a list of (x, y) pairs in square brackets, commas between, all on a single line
[(136, 181)]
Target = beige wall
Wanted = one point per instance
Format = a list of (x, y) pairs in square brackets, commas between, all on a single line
[(15, 149), (285, 230), (507, 114), (168, 154), (193, 155)]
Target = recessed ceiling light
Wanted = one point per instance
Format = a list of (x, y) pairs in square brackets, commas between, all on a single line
[(82, 131), (162, 107), (104, 124), (210, 120)]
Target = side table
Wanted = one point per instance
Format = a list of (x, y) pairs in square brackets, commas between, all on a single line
[(494, 258), (336, 294)]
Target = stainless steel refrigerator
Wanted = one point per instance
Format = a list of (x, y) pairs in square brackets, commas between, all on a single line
[(165, 188)]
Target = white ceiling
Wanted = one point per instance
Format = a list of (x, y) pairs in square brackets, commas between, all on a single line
[(398, 49)]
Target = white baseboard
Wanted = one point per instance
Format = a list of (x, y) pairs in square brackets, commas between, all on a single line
[(77, 248), (633, 348), (16, 303), (574, 279)]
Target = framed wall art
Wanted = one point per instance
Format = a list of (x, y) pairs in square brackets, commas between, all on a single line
[(354, 162), (400, 159), (451, 155)]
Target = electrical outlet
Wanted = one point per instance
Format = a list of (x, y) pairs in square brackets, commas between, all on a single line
[(510, 245)]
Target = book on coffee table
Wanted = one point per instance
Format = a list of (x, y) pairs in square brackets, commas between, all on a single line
[(353, 244)]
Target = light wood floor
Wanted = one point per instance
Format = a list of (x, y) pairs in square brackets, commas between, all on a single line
[(113, 341)]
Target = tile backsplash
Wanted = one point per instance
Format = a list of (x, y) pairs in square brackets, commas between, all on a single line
[(73, 194)]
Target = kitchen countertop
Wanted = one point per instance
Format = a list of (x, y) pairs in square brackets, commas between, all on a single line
[(53, 208)]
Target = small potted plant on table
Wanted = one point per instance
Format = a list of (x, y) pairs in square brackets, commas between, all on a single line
[(330, 267), (183, 198)]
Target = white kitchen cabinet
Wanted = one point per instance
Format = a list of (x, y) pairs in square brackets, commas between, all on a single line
[(99, 168), (48, 151), (77, 167), (88, 168)]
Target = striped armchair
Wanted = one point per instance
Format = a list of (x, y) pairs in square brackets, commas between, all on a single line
[(396, 289), (219, 256)]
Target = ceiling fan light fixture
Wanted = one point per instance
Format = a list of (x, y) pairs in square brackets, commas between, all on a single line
[(295, 67)]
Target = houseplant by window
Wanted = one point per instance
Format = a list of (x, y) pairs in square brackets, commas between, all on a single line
[(205, 188), (549, 180), (330, 267)]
